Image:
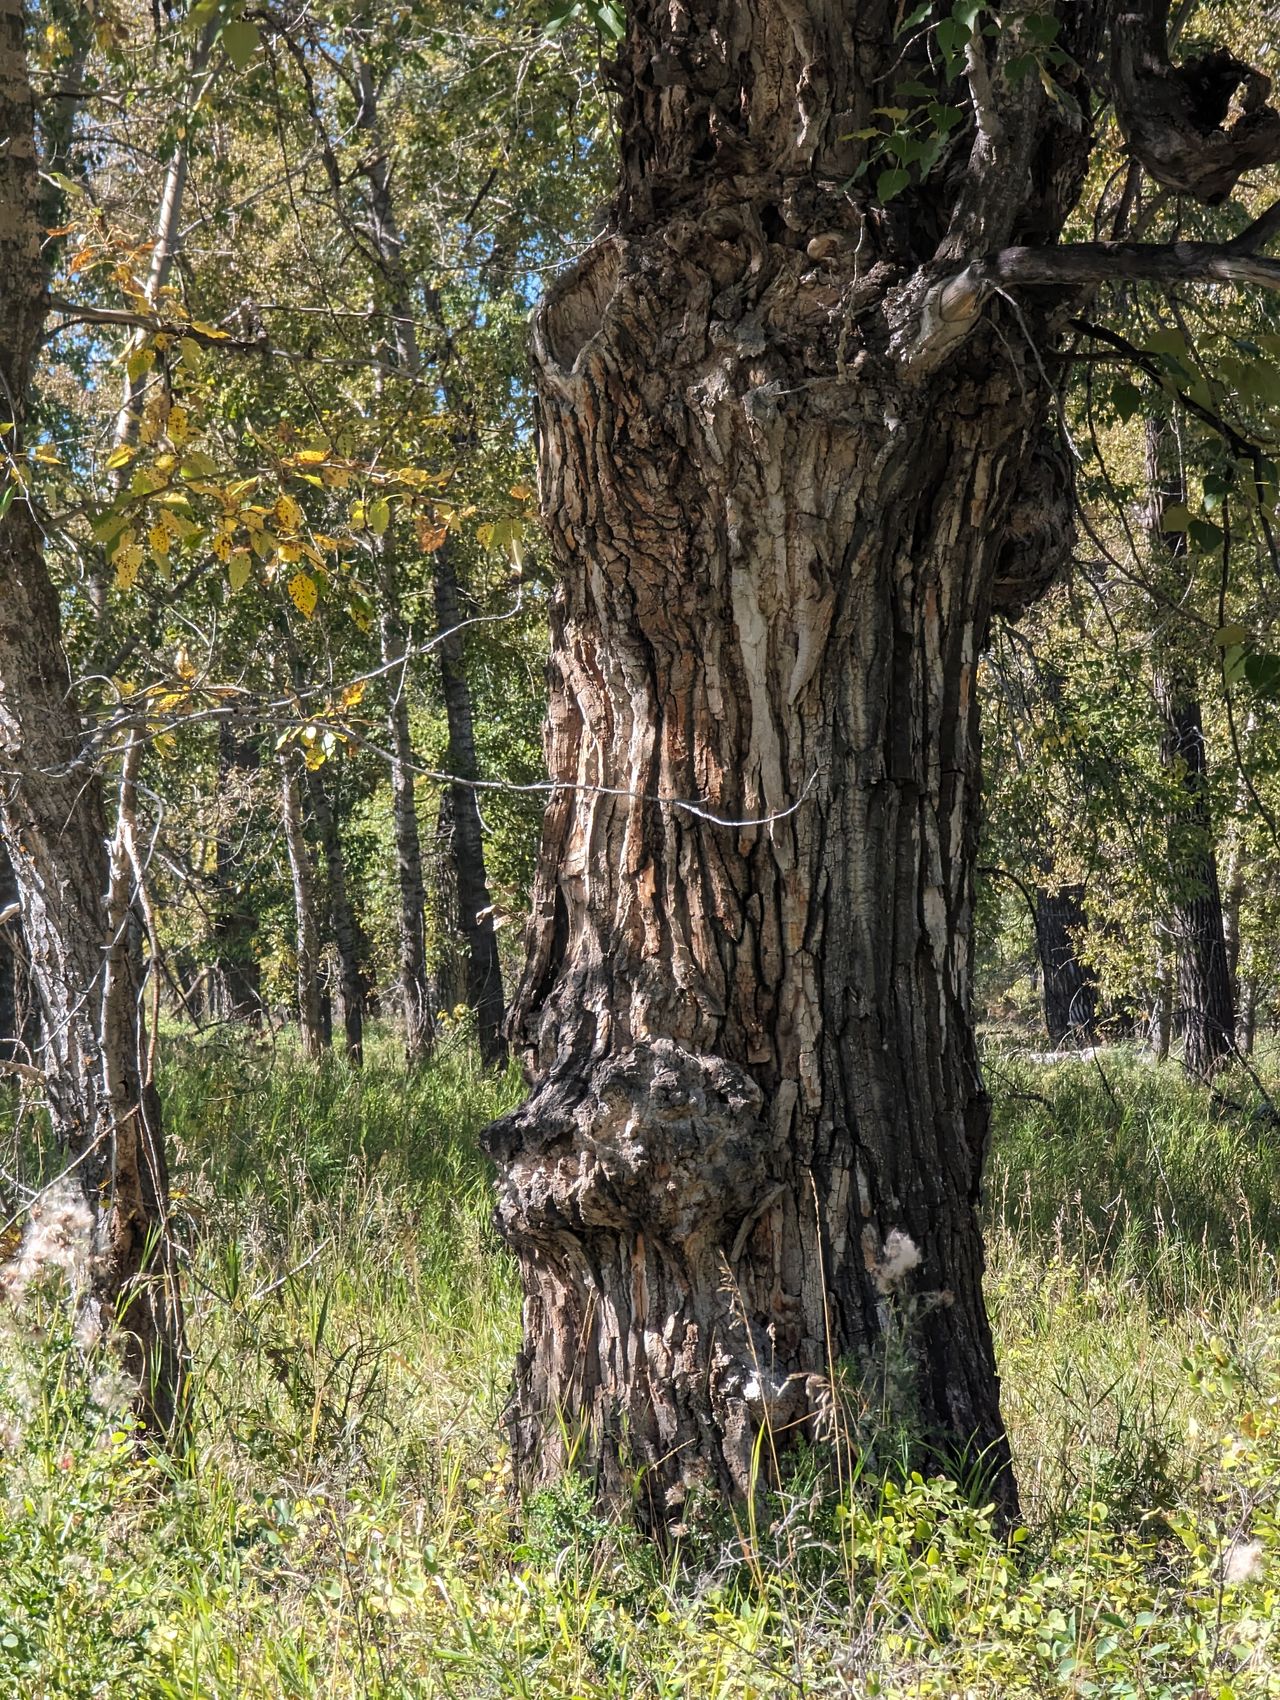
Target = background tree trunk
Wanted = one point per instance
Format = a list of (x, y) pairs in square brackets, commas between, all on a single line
[(475, 906), (310, 1028), (1070, 991), (415, 999), (53, 814), (235, 926), (346, 932), (1204, 1005)]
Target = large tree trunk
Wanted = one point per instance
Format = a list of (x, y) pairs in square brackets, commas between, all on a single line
[(1070, 989), (749, 1168), (73, 893), (310, 1022), (1205, 1007), (484, 971)]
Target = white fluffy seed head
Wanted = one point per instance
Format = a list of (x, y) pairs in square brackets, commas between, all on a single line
[(900, 1256), (1242, 1562)]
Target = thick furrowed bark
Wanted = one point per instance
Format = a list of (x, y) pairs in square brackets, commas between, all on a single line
[(754, 1074)]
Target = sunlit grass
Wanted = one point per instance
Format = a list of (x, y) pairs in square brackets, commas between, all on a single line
[(341, 1525)]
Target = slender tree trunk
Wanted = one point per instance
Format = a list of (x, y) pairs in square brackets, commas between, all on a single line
[(10, 957), (1070, 990), (1162, 1009), (1233, 898), (1205, 1009), (235, 926), (450, 957), (415, 998), (484, 977), (346, 932), (164, 250), (74, 896), (310, 1028), (1246, 1025)]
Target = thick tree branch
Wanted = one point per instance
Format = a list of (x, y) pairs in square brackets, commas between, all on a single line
[(1264, 229), (943, 312)]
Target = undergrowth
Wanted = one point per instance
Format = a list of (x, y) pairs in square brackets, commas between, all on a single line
[(341, 1523)]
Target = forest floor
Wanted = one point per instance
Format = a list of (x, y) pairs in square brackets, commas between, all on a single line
[(341, 1525)]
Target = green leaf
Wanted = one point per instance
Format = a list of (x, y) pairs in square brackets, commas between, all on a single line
[(1175, 518), (891, 183), (1127, 399), (241, 41), (379, 515), (1226, 637), (1263, 673), (1205, 536), (916, 18), (6, 498)]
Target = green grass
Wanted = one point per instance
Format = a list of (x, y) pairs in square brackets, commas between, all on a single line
[(341, 1525)]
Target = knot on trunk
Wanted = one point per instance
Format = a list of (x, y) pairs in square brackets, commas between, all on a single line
[(663, 1142), (574, 312), (1039, 530), (1198, 126)]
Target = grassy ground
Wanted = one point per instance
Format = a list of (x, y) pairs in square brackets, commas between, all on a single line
[(342, 1526)]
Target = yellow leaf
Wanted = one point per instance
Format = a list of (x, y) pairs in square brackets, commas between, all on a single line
[(222, 544), (303, 594), (354, 693), (159, 539), (312, 457), (379, 515), (337, 477), (47, 455), (127, 561), (179, 426), (139, 362), (120, 457), (521, 492), (239, 569), (288, 514), (182, 663), (290, 550)]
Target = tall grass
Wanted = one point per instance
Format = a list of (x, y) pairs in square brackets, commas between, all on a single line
[(341, 1525)]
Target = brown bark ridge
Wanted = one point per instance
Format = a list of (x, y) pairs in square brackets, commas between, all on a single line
[(475, 906), (777, 502), (74, 894), (1204, 1006)]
